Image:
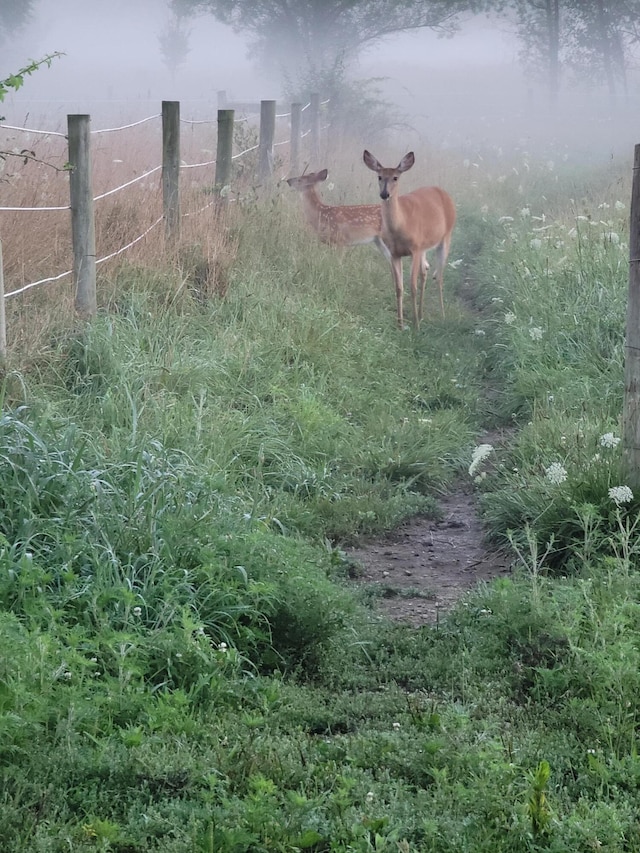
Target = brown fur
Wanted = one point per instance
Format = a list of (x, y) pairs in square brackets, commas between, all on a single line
[(411, 225)]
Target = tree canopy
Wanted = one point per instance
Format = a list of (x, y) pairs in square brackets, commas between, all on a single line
[(14, 14), (322, 35)]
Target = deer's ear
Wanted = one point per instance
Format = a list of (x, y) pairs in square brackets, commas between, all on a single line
[(322, 175), (407, 162), (371, 161)]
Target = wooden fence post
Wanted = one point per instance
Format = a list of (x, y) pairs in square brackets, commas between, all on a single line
[(631, 411), (171, 167), (83, 232), (224, 150), (267, 135), (314, 118), (296, 136), (3, 316)]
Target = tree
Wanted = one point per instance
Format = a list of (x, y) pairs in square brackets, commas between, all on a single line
[(14, 14), (539, 28), (600, 40), (174, 44), (591, 38), (322, 36)]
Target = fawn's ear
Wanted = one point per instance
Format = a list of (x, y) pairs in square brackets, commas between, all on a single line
[(322, 175), (407, 162), (371, 161)]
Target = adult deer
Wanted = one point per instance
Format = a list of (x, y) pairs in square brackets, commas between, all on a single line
[(339, 225), (411, 225)]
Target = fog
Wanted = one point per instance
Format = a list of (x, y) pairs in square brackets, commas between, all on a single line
[(465, 90)]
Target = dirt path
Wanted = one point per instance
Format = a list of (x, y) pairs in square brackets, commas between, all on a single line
[(420, 570)]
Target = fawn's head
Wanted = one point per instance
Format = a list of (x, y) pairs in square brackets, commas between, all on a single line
[(388, 178), (305, 182)]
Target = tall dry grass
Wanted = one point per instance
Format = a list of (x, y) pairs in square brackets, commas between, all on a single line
[(37, 245)]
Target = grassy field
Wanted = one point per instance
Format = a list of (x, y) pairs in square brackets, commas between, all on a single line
[(185, 664)]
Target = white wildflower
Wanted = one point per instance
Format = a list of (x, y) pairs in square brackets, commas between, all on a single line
[(556, 473), (525, 212), (609, 440), (396, 726), (621, 495), (480, 333), (619, 205), (536, 333), (536, 243), (612, 237), (603, 206), (510, 318), (480, 453), (222, 647), (137, 611), (370, 797), (331, 186)]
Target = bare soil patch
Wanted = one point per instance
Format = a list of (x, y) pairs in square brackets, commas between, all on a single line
[(421, 569)]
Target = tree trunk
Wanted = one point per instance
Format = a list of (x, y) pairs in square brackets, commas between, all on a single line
[(552, 10)]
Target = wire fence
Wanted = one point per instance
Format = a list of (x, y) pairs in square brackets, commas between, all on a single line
[(82, 198)]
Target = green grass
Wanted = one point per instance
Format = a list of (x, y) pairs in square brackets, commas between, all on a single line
[(184, 664)]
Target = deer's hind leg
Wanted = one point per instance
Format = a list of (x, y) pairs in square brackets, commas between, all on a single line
[(441, 255), (422, 278)]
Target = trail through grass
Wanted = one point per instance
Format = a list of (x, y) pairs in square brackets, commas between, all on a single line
[(184, 664)]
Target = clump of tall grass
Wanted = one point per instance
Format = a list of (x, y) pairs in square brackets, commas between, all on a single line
[(554, 297)]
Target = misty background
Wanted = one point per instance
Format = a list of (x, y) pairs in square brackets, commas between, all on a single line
[(471, 89)]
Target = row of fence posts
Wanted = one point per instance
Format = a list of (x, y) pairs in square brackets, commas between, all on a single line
[(81, 184)]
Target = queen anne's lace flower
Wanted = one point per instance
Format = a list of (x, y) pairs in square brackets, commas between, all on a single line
[(556, 473), (621, 495), (609, 440)]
